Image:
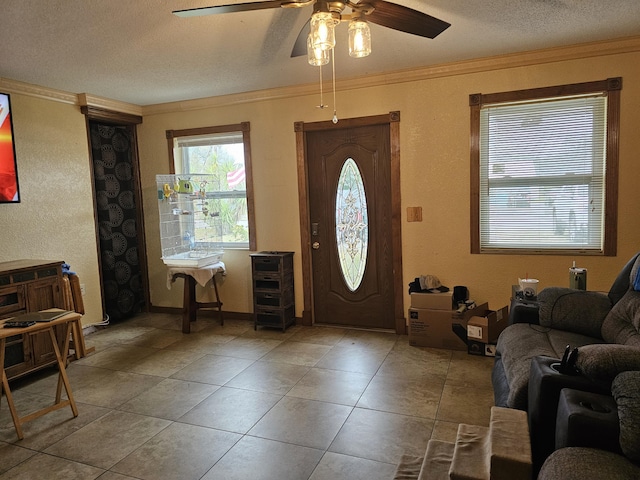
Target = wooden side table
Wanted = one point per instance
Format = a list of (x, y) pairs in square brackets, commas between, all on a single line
[(70, 322), (191, 276)]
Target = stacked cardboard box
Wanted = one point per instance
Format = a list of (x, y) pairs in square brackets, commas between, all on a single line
[(432, 320), (483, 330)]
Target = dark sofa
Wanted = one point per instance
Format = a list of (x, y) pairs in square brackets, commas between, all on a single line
[(605, 328), (561, 317)]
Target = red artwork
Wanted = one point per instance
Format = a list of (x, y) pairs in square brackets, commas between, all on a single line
[(8, 177)]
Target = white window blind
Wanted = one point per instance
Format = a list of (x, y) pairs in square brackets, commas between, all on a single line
[(542, 174)]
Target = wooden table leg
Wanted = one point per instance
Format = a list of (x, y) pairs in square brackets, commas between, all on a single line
[(215, 287), (189, 305), (62, 374), (7, 392)]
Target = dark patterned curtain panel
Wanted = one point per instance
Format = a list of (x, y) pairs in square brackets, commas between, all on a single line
[(114, 188)]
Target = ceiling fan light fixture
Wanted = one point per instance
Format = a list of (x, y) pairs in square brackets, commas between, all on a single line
[(323, 30), (359, 38), (316, 56)]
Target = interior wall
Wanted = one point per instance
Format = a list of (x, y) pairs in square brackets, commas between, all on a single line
[(434, 151), (54, 220)]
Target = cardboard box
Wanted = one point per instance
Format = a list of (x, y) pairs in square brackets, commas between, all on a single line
[(487, 326), (433, 301), (435, 328), (480, 348)]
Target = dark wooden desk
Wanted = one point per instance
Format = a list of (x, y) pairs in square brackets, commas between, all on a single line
[(190, 305), (71, 323)]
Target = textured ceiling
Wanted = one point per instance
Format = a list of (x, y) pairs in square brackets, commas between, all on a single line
[(138, 52)]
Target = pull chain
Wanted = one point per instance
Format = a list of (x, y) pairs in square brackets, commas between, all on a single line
[(333, 67), (322, 105)]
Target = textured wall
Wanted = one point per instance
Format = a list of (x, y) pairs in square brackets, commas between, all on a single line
[(434, 146), (54, 220)]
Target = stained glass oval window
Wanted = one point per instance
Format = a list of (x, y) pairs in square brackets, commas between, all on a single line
[(352, 224)]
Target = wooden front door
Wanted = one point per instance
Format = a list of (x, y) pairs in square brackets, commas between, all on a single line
[(351, 230)]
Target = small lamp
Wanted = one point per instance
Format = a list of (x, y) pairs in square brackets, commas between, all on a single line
[(359, 38), (316, 56), (323, 30)]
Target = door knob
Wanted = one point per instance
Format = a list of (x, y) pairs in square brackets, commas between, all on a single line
[(315, 245)]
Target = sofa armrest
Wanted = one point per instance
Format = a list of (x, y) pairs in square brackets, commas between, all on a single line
[(577, 311), (522, 311)]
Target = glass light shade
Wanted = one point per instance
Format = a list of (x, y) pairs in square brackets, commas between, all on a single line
[(323, 30), (359, 39), (316, 56)]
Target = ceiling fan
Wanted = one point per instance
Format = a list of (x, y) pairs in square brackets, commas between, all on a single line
[(380, 12)]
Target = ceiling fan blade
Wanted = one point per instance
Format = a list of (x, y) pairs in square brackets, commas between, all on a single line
[(300, 47), (404, 19), (239, 7)]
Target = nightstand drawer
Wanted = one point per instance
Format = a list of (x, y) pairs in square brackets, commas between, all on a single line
[(273, 299)]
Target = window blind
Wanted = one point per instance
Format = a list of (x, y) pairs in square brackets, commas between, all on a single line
[(542, 174)]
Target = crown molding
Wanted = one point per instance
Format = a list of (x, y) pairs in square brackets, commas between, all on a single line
[(14, 86), (81, 99), (88, 100), (499, 62)]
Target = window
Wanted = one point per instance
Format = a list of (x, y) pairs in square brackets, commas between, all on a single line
[(544, 167), (225, 153)]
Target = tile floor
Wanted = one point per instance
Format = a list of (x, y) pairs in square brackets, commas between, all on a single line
[(231, 403)]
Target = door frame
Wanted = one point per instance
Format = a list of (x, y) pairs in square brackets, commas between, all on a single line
[(393, 120), (120, 119)]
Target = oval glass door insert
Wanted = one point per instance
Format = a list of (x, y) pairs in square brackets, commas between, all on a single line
[(352, 224)]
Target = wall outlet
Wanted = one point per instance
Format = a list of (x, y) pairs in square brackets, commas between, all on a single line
[(83, 291)]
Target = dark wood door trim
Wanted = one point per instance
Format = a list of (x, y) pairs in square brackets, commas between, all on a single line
[(393, 120)]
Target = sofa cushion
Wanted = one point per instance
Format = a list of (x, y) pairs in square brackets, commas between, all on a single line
[(577, 311), (623, 321), (579, 463), (603, 362), (626, 392)]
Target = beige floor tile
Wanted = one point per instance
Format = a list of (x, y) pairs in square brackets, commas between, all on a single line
[(269, 377), (319, 335), (302, 422), (52, 468), (405, 360), (150, 397), (180, 451), (272, 333), (348, 359), (118, 357), (417, 396), (111, 388), (231, 409), (333, 386), (470, 370), (262, 459), (164, 363), (119, 333), (465, 405), (115, 476), (374, 341), (169, 399), (202, 342), (12, 455), (382, 436), (48, 429), (335, 466), (242, 347), (156, 338), (297, 353), (107, 440), (213, 369), (231, 326)]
